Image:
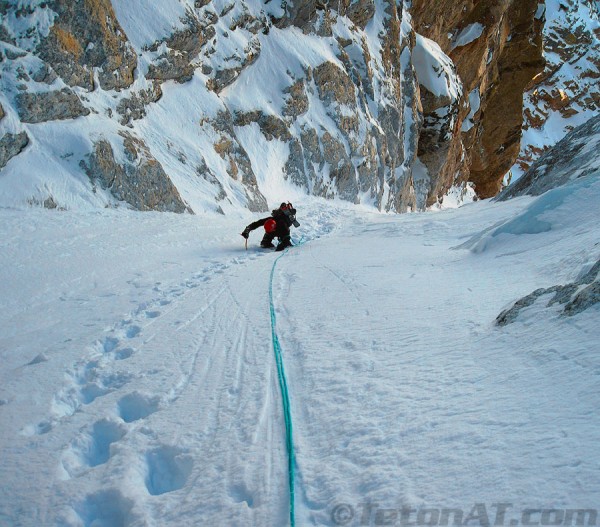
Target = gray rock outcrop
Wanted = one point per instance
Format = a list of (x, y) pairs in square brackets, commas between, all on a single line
[(49, 106), (12, 145), (141, 181), (222, 77), (134, 107), (45, 74), (305, 15), (373, 103), (86, 36), (576, 297), (239, 166), (573, 157), (182, 47)]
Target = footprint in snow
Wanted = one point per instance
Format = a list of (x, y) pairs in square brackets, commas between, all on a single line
[(133, 332), (240, 494), (136, 406), (88, 385), (92, 447), (106, 507), (168, 469), (109, 344), (41, 428), (124, 353)]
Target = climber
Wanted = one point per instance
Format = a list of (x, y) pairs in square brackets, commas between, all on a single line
[(278, 224)]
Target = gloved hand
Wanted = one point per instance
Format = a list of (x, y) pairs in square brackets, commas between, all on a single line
[(246, 233)]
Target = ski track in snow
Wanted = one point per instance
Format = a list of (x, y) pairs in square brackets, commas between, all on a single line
[(98, 374), (103, 403), (88, 378), (403, 392)]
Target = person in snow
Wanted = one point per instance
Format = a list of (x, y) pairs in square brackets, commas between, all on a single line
[(277, 225)]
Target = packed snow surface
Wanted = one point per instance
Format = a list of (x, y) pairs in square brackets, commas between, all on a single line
[(138, 383), (469, 34), (435, 70)]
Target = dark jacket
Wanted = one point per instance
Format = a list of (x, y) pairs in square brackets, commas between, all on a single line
[(283, 222)]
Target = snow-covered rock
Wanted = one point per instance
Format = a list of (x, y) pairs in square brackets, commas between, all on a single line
[(573, 157), (140, 180), (239, 102), (49, 106), (324, 88), (567, 93), (575, 297)]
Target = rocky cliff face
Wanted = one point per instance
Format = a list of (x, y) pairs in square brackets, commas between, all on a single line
[(496, 49), (567, 93), (234, 103), (85, 43)]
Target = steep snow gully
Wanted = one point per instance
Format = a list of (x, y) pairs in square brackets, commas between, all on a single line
[(139, 385)]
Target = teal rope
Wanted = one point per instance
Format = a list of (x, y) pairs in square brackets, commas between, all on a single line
[(287, 412)]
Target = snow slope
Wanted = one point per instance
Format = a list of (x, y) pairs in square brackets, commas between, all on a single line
[(138, 384)]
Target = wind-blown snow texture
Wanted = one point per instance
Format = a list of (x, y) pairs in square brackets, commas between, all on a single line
[(138, 384)]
